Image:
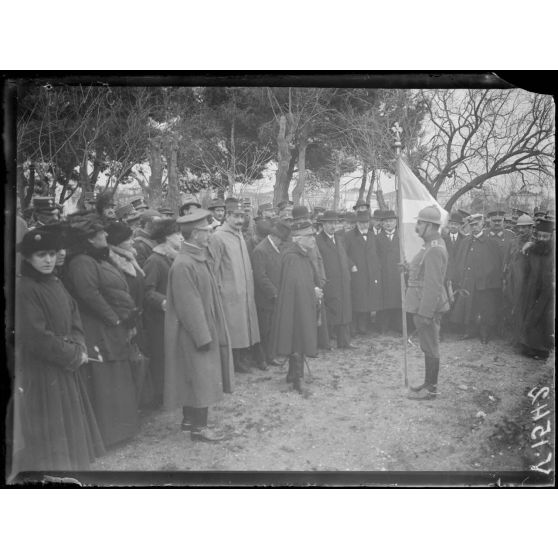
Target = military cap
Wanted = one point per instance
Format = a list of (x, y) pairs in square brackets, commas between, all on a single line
[(361, 203), (246, 203), (233, 205), (38, 240), (430, 214), (162, 228), (118, 232), (539, 212), (124, 211), (138, 202), (330, 215), (497, 210), (216, 203), (197, 217), (265, 207), (389, 214), (189, 200), (456, 217)]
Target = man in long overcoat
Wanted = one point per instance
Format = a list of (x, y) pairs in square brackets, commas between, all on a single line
[(366, 286), (537, 320), (266, 260), (294, 331), (389, 317), (198, 364), (337, 290), (479, 277), (233, 272)]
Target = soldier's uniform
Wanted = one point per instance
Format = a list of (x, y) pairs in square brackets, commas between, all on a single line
[(427, 300)]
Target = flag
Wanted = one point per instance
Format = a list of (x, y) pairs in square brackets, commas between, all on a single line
[(414, 196)]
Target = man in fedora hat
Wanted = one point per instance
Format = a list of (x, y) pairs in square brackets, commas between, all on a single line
[(266, 261), (366, 293), (198, 359), (233, 271), (337, 290), (376, 222), (478, 281), (217, 208), (389, 316), (361, 207), (294, 329)]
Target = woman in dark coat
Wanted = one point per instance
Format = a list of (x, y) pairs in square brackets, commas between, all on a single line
[(52, 412), (294, 330), (156, 269), (108, 313)]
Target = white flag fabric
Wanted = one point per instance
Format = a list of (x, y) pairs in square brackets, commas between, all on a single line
[(415, 196)]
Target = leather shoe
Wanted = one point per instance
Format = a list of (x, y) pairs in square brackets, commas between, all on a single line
[(424, 394), (241, 368), (262, 365), (273, 362), (417, 388), (206, 435)]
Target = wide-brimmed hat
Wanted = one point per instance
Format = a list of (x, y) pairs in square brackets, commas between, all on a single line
[(162, 228), (456, 217), (378, 214), (197, 216), (38, 240), (389, 214), (300, 212), (86, 225), (329, 215)]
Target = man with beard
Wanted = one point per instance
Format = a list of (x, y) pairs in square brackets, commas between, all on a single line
[(426, 297), (537, 331), (479, 278), (233, 272), (514, 274), (294, 330)]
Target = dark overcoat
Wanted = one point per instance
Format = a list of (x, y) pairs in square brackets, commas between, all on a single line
[(194, 318), (539, 289), (452, 246), (266, 262), (52, 411), (143, 245), (478, 267), (366, 282), (295, 324), (337, 290), (101, 292), (388, 251), (504, 240)]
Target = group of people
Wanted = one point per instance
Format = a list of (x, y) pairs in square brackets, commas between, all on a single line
[(121, 308)]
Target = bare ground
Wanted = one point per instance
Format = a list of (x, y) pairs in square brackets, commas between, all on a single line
[(355, 416)]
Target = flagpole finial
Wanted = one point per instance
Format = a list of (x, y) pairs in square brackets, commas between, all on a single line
[(396, 129)]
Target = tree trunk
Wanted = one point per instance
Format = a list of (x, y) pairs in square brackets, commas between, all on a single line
[(153, 190), (371, 187), (336, 183), (30, 186), (381, 201), (231, 171), (298, 192), (284, 137), (362, 188), (173, 194)]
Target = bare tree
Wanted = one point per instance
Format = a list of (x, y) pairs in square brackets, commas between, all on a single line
[(476, 135)]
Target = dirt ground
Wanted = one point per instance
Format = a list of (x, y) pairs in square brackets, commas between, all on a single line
[(355, 416)]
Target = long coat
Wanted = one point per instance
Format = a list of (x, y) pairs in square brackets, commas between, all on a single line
[(194, 318), (504, 240), (337, 290), (295, 325), (266, 261), (478, 267), (52, 411), (388, 251), (103, 298), (366, 282), (235, 280), (452, 247), (538, 295)]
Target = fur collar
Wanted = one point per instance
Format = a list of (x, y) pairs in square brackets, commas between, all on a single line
[(165, 250), (125, 260)]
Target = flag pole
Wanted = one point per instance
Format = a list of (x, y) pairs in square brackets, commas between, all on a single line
[(397, 145)]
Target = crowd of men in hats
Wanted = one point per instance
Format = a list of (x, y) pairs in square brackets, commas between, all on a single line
[(122, 307)]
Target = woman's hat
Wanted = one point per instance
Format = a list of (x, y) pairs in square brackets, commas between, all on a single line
[(118, 232), (86, 225), (163, 228), (39, 239)]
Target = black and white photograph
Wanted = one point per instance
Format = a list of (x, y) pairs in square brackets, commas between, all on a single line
[(279, 279)]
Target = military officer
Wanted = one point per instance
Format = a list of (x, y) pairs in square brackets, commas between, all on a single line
[(426, 297)]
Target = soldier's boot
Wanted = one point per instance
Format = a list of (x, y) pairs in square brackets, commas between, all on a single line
[(298, 373), (292, 367), (429, 390), (432, 381), (427, 373)]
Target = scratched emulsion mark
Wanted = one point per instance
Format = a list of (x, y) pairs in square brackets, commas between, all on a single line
[(541, 432)]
